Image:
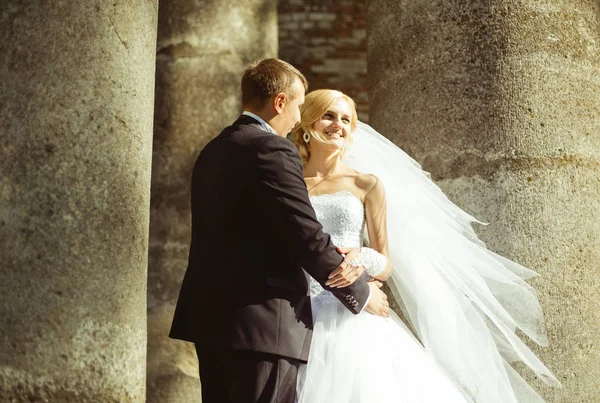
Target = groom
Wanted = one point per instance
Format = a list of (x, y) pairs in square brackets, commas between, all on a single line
[(244, 299)]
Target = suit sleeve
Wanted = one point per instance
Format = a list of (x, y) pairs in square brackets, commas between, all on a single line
[(281, 190)]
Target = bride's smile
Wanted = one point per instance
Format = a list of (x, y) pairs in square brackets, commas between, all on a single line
[(335, 125)]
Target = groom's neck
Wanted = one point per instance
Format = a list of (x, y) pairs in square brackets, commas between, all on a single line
[(264, 113), (267, 114)]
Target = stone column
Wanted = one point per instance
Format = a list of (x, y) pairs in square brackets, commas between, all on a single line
[(77, 90), (499, 100), (203, 49)]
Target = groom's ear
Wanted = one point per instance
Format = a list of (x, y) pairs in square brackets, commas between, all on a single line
[(279, 102)]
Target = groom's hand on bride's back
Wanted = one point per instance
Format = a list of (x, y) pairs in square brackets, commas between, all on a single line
[(378, 302)]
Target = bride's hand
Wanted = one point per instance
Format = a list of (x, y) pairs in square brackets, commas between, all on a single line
[(378, 301), (346, 273)]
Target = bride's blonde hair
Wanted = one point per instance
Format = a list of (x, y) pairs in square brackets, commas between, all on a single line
[(315, 106)]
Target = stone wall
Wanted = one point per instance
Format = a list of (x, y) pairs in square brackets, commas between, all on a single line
[(326, 41)]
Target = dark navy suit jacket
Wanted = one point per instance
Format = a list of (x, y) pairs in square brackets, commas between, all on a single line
[(253, 230)]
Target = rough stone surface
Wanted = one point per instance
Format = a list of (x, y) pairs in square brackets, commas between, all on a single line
[(76, 89), (327, 42), (499, 101), (203, 49)]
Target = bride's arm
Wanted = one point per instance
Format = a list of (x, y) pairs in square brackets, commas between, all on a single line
[(375, 260), (376, 214)]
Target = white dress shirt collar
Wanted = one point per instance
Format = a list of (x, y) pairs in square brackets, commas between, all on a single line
[(262, 122)]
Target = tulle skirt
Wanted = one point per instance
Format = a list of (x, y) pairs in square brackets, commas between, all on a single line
[(369, 359)]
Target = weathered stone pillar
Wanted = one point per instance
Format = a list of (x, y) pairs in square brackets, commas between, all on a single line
[(77, 90), (203, 49), (499, 100)]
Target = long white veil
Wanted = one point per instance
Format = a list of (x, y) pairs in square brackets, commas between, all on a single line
[(464, 301)]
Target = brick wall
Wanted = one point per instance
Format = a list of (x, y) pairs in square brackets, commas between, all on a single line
[(326, 40)]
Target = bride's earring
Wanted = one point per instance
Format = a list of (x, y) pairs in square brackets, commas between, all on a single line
[(306, 137)]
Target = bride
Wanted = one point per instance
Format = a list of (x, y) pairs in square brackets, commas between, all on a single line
[(463, 301)]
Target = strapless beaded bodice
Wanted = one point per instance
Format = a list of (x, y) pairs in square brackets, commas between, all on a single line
[(342, 216)]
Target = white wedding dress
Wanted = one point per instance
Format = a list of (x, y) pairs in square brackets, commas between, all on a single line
[(363, 358), (464, 301)]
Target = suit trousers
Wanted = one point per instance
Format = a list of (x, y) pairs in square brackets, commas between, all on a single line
[(235, 376)]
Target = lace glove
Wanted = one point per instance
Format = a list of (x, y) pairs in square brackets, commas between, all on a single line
[(373, 261)]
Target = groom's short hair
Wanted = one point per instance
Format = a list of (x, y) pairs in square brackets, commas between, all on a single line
[(264, 79)]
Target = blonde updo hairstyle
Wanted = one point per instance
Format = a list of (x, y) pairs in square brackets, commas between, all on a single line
[(316, 104)]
